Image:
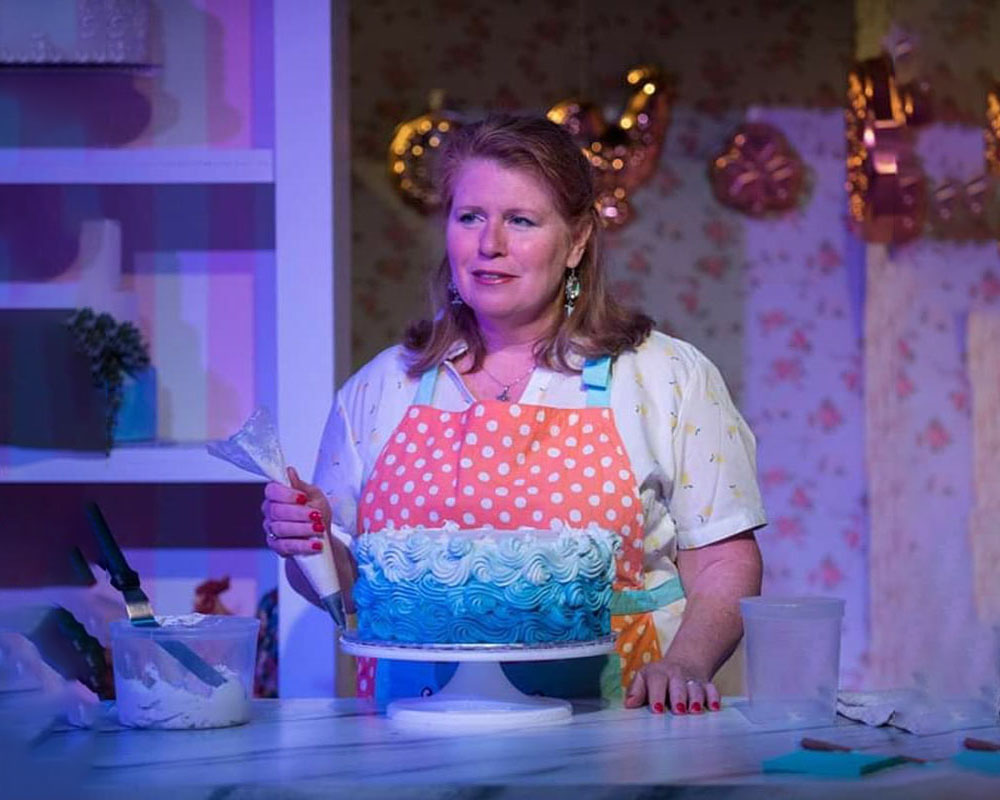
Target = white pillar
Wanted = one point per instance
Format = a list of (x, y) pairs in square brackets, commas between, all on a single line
[(311, 193)]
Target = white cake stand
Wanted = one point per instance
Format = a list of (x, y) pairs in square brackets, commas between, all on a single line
[(479, 694)]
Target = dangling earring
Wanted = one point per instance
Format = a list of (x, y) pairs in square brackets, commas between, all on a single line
[(454, 297), (572, 290)]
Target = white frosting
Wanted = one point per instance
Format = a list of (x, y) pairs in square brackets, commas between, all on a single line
[(494, 556), (191, 620), (152, 702)]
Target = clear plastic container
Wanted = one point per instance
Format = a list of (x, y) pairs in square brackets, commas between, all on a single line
[(154, 688), (792, 658)]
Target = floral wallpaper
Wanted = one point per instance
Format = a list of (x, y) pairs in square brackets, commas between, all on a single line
[(803, 396), (849, 363), (523, 55), (923, 443)]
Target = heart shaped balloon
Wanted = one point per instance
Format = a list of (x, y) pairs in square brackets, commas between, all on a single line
[(757, 172)]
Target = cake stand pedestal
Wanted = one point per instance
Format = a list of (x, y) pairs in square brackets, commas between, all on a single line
[(479, 694)]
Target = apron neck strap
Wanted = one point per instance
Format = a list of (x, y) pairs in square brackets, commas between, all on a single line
[(425, 390), (597, 380)]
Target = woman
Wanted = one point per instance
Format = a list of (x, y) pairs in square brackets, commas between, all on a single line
[(523, 316)]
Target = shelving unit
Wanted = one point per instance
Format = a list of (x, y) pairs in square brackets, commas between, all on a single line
[(80, 67), (127, 463), (209, 290), (207, 293), (135, 166)]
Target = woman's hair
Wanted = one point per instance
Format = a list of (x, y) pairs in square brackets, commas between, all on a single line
[(599, 325)]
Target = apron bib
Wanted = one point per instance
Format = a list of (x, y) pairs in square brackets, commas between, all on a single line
[(509, 465)]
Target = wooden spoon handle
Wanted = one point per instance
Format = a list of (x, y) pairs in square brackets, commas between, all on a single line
[(971, 743), (822, 744)]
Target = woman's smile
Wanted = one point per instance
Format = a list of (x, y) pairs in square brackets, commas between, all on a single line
[(492, 278)]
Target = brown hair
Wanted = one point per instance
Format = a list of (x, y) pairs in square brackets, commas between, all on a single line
[(599, 325)]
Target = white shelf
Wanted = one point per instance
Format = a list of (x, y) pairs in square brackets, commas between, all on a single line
[(128, 463), (135, 166)]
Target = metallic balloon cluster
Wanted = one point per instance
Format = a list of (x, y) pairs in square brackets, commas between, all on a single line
[(891, 200), (623, 154), (758, 172), (887, 191)]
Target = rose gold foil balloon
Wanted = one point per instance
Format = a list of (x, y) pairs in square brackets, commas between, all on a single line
[(968, 211), (885, 183), (623, 154), (896, 199), (758, 172)]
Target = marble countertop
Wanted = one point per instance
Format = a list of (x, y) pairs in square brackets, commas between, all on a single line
[(340, 747)]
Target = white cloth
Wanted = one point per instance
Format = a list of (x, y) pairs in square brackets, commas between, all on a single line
[(915, 711), (693, 455)]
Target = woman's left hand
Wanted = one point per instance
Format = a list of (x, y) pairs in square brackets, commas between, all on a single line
[(674, 685)]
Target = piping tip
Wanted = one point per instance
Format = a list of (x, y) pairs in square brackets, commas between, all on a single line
[(334, 604)]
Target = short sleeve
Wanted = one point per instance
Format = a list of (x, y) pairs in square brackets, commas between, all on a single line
[(339, 470), (715, 493)]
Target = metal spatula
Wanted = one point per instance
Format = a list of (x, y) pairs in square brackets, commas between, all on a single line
[(140, 613)]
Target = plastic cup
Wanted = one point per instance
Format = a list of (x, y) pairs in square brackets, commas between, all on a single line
[(153, 689), (792, 658)]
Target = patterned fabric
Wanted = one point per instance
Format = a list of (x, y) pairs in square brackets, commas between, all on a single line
[(929, 375), (984, 529), (922, 440), (511, 466), (803, 386)]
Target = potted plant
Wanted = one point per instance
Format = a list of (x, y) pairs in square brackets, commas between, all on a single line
[(115, 350)]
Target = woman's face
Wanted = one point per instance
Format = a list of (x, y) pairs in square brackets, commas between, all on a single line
[(508, 246)]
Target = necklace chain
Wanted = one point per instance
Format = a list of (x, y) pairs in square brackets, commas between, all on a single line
[(505, 388)]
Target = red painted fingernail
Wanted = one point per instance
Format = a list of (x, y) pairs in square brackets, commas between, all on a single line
[(318, 527), (696, 707), (681, 708), (715, 705), (316, 545), (301, 499), (315, 516), (657, 708)]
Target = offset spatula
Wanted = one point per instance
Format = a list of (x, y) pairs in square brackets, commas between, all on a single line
[(140, 613)]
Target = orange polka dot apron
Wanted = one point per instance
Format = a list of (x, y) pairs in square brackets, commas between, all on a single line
[(511, 465)]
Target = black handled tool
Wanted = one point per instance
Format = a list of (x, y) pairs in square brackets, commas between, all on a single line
[(140, 613)]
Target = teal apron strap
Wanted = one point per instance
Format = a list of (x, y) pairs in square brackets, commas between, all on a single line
[(638, 601), (597, 378), (425, 391)]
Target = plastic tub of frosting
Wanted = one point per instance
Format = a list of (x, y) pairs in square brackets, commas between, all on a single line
[(156, 686)]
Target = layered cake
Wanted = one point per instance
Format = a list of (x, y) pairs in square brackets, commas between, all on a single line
[(451, 586)]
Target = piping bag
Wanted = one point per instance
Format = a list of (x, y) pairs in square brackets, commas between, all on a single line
[(255, 448)]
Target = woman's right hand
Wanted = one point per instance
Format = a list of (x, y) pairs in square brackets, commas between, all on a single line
[(296, 518)]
